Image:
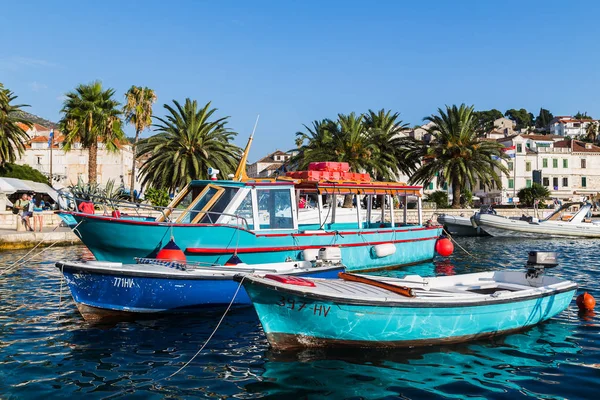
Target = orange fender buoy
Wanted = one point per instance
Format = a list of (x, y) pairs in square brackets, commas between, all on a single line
[(444, 247), (586, 301), (171, 252)]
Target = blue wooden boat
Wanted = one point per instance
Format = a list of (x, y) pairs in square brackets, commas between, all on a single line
[(107, 290), (370, 311)]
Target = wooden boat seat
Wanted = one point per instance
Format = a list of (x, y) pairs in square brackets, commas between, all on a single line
[(492, 287)]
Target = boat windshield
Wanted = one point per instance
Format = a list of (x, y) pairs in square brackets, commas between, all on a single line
[(275, 209), (208, 206), (562, 213)]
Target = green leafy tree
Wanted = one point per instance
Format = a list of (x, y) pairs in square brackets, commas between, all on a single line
[(25, 172), (522, 117), (583, 115), (529, 195), (138, 112), (91, 115), (439, 197), (12, 136), (485, 119), (457, 155), (543, 119), (186, 145)]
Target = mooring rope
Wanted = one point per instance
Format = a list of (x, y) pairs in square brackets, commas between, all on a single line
[(193, 357), (21, 261), (462, 248)]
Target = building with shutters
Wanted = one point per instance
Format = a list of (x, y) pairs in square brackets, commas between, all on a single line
[(69, 167), (569, 168)]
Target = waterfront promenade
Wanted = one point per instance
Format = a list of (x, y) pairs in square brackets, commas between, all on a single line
[(10, 239)]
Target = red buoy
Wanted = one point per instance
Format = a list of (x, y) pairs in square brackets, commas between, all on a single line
[(586, 301), (234, 260), (171, 252), (444, 247)]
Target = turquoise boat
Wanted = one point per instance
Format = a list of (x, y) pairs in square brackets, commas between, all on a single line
[(270, 221), (371, 311)]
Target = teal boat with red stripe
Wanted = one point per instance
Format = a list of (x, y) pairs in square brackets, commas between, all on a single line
[(273, 220)]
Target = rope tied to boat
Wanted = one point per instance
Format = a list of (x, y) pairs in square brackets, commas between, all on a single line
[(23, 260), (194, 356), (462, 248)]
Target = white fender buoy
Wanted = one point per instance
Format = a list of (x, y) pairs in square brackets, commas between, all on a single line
[(384, 250)]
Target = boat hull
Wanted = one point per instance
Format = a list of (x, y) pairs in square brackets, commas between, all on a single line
[(498, 226), (460, 226), (118, 240), (291, 321), (104, 295)]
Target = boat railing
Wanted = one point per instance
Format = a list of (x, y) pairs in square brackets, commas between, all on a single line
[(71, 203)]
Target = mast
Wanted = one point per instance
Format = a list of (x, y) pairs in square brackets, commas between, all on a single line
[(240, 173), (51, 144)]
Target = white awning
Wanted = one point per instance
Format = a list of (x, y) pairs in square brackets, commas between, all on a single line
[(9, 186)]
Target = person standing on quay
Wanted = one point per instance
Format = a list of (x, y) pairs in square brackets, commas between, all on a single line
[(38, 217)]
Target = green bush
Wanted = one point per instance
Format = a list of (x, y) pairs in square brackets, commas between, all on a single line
[(529, 195), (157, 197), (439, 197), (22, 172), (466, 198)]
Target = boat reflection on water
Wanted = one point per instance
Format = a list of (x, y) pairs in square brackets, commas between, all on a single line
[(514, 363)]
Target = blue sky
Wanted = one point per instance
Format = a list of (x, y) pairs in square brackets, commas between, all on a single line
[(295, 62)]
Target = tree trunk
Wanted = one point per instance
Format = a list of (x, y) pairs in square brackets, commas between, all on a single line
[(456, 194), (133, 152), (93, 163), (347, 201)]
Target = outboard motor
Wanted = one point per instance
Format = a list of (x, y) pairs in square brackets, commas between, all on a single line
[(538, 261), (329, 256)]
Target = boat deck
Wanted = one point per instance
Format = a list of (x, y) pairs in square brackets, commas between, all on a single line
[(487, 286), (192, 271)]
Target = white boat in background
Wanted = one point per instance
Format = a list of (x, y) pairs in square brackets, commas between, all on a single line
[(459, 225), (561, 223)]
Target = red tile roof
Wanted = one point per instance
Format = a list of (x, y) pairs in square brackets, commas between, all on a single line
[(542, 137), (40, 128), (578, 147), (23, 126)]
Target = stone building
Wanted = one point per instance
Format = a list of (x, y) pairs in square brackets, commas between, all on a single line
[(68, 167)]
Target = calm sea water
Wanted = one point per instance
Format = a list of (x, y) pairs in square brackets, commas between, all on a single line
[(48, 351)]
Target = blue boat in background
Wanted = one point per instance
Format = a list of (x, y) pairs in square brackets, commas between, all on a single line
[(106, 290), (373, 311)]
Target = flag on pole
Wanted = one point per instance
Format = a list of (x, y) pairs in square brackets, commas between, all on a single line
[(510, 151), (50, 138)]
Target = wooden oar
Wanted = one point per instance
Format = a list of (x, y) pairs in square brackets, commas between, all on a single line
[(401, 290)]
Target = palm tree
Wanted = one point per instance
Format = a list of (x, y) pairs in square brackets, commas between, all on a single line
[(186, 145), (387, 133), (91, 115), (318, 146), (591, 132), (457, 155), (138, 112), (12, 136), (351, 143)]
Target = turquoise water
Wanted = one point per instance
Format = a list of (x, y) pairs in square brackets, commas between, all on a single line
[(47, 350)]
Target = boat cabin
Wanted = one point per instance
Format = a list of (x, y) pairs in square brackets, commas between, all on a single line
[(284, 204)]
